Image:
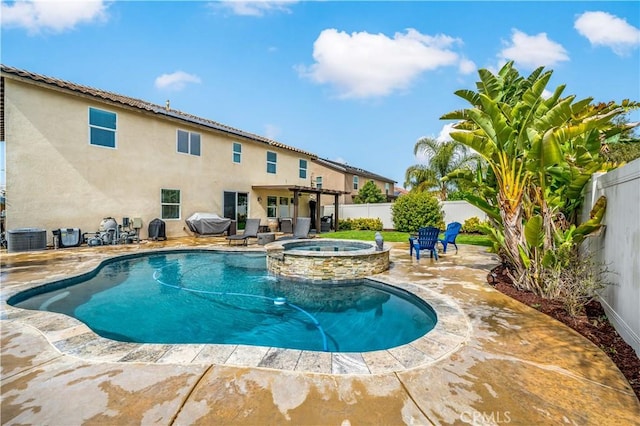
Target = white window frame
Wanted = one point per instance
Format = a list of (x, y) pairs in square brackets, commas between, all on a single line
[(238, 152), (273, 163), (272, 206), (318, 182), (302, 174), (190, 142), (162, 204), (356, 182), (93, 126)]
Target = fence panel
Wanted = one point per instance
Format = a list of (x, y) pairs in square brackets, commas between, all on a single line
[(454, 211), (618, 245)]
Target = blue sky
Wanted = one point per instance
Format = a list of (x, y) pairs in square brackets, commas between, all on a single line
[(358, 82)]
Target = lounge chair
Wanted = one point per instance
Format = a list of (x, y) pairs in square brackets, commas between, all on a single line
[(300, 230), (426, 240), (250, 231), (453, 229)]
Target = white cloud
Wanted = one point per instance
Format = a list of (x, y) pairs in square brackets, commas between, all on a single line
[(271, 131), (466, 66), (362, 65), (604, 29), (54, 16), (176, 81), (444, 133), (255, 7), (533, 51)]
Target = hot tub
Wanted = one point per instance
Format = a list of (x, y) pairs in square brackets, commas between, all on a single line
[(326, 260)]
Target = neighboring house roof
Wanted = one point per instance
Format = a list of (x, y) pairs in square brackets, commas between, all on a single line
[(399, 191), (345, 168), (142, 105)]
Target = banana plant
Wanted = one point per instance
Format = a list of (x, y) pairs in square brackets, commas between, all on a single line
[(542, 152)]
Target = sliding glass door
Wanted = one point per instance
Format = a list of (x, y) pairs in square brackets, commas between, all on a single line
[(236, 207)]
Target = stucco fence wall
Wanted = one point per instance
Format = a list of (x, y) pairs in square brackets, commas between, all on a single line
[(618, 246), (454, 211)]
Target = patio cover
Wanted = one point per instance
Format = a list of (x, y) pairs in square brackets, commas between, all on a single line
[(207, 223), (297, 190)]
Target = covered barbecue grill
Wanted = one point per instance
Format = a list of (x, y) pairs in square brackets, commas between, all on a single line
[(208, 224)]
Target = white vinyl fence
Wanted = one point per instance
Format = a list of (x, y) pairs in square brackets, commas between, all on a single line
[(454, 211), (618, 246)]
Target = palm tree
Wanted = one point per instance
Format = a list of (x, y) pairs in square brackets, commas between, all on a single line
[(442, 159)]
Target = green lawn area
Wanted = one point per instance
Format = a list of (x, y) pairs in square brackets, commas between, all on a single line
[(393, 236)]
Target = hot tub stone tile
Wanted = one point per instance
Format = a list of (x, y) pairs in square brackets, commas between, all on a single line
[(348, 363), (247, 356), (181, 354), (283, 359), (146, 353), (315, 362)]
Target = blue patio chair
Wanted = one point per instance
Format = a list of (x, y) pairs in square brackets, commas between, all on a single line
[(426, 240), (453, 229)]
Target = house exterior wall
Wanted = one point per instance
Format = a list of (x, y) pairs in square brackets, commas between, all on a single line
[(331, 179), (56, 179), (341, 181), (617, 246)]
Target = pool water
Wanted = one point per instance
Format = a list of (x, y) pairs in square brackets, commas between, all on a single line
[(326, 245), (229, 298)]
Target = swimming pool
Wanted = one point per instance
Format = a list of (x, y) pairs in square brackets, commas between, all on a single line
[(229, 298)]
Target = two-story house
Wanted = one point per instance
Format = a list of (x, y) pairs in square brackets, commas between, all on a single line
[(76, 155), (332, 174)]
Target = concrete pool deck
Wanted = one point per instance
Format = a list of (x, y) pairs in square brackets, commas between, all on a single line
[(495, 361)]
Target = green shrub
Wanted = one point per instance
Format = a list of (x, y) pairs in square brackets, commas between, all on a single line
[(370, 193), (471, 225), (360, 224), (576, 280), (416, 210)]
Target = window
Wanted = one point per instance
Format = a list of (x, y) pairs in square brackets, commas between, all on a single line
[(102, 128), (355, 183), (189, 142), (386, 188), (303, 169), (170, 199), (319, 182), (272, 158), (237, 152), (272, 206)]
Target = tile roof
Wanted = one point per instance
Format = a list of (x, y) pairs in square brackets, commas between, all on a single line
[(345, 168), (140, 104)]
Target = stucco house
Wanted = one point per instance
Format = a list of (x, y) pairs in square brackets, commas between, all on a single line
[(349, 179), (76, 155)]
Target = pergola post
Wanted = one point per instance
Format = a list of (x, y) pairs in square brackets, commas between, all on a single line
[(318, 211), (296, 196), (336, 204)]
